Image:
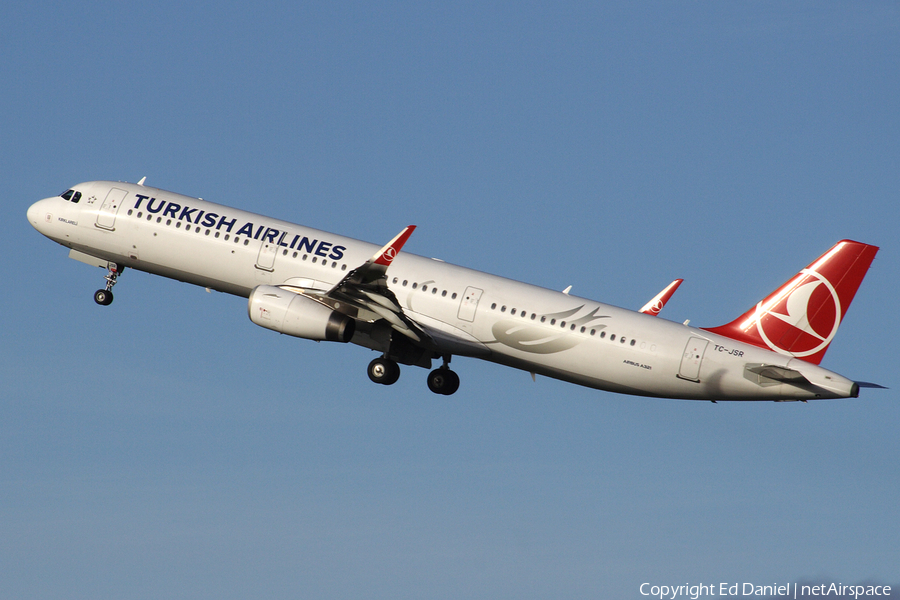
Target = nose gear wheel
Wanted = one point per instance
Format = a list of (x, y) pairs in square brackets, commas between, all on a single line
[(104, 297)]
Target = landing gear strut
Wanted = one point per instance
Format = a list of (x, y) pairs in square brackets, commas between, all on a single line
[(104, 297), (384, 371), (442, 380)]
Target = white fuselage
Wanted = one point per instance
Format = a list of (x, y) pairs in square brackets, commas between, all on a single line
[(466, 312)]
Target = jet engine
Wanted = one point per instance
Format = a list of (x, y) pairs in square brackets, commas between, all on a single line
[(292, 314)]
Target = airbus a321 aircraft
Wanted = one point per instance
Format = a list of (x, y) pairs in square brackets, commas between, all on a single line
[(413, 310)]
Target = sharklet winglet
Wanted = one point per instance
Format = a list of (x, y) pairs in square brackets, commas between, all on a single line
[(389, 252)]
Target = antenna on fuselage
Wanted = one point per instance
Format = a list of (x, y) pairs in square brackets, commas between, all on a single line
[(141, 182)]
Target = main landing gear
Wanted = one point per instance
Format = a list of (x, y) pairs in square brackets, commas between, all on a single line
[(442, 380), (384, 371), (104, 297)]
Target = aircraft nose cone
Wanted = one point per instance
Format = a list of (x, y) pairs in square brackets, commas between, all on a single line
[(33, 212), (39, 215)]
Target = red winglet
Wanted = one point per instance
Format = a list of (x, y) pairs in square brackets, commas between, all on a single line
[(654, 306), (386, 255)]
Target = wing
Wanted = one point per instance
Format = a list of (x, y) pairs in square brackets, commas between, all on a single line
[(365, 288)]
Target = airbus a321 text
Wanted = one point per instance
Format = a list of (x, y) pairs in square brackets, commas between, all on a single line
[(412, 310)]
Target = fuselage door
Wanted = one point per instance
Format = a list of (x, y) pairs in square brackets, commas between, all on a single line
[(266, 258), (469, 304), (106, 216), (693, 356)]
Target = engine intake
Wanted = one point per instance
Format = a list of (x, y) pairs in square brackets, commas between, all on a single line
[(292, 314)]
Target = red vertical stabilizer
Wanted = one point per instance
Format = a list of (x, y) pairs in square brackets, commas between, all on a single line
[(802, 316)]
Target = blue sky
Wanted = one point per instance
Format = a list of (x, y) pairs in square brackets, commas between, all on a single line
[(167, 447)]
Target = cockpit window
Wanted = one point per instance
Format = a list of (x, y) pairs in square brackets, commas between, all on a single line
[(71, 196)]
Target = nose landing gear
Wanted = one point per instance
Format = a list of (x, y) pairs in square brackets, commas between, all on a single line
[(104, 297)]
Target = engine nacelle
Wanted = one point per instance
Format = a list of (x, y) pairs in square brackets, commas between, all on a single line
[(292, 314)]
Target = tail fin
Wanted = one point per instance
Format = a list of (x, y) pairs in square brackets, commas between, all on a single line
[(802, 316)]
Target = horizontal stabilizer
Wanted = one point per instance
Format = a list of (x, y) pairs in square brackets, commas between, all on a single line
[(776, 373), (866, 384)]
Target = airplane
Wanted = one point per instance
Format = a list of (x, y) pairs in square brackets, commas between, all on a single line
[(413, 310)]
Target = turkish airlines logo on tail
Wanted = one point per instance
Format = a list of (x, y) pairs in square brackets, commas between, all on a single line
[(802, 318)]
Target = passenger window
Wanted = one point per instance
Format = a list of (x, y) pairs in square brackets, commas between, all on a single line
[(444, 294), (453, 296), (512, 312)]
